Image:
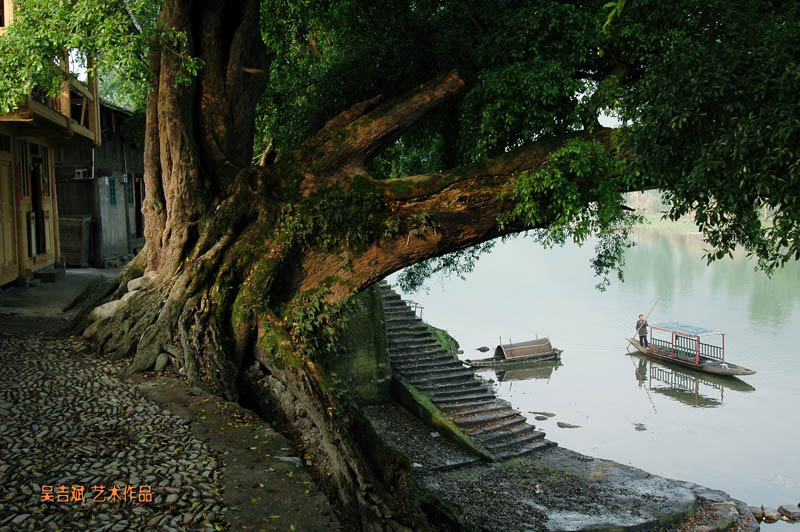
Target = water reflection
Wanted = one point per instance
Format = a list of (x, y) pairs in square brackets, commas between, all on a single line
[(686, 386), (668, 264), (535, 370)]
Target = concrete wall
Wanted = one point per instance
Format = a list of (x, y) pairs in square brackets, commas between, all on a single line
[(363, 365)]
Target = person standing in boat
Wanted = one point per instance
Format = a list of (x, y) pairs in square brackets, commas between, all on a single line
[(641, 327)]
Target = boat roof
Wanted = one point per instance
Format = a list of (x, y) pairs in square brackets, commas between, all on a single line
[(523, 349), (683, 328)]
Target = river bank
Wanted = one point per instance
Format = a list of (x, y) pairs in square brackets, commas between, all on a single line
[(220, 467), (556, 489)]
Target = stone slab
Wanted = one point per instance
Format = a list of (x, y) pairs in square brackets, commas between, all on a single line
[(559, 489)]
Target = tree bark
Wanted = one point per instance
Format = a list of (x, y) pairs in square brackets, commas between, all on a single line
[(236, 265)]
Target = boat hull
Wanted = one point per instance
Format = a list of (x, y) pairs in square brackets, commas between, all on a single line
[(555, 354), (707, 365)]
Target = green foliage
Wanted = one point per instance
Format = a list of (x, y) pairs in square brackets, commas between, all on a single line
[(459, 263), (444, 339), (44, 30), (315, 325), (117, 36), (574, 196), (714, 117)]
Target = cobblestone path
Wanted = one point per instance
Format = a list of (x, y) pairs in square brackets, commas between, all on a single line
[(80, 450)]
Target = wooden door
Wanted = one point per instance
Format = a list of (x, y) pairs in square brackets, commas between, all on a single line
[(9, 266)]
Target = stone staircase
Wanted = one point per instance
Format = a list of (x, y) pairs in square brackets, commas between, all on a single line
[(418, 359)]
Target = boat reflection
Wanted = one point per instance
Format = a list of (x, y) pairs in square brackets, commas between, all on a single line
[(532, 370), (693, 388)]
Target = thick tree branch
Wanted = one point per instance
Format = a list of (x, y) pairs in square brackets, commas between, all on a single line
[(340, 148), (441, 212)]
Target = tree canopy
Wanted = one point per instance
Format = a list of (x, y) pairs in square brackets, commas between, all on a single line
[(706, 92)]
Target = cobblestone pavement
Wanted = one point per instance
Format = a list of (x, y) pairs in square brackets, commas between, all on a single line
[(80, 450)]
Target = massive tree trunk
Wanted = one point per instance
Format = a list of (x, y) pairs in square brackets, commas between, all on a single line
[(251, 263)]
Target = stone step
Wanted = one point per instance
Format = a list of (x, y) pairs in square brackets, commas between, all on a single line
[(451, 368), (416, 327), (447, 398), (477, 408), (398, 312), (414, 343), (508, 433), (417, 337), (397, 307), (495, 425), (484, 418), (525, 449), (456, 406), (422, 363), (409, 334), (416, 352), (389, 294), (408, 360), (427, 363), (453, 376), (402, 317), (419, 355), (395, 324), (452, 387), (501, 445)]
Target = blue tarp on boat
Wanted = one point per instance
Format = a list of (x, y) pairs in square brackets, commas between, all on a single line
[(683, 328)]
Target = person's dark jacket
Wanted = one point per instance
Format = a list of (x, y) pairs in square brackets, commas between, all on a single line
[(643, 325)]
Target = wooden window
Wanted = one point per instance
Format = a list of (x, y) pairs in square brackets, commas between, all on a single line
[(5, 143), (130, 190), (112, 190)]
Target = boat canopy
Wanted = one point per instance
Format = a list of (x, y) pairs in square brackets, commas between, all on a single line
[(523, 349), (682, 328)]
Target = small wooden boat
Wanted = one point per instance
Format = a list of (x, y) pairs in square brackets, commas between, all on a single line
[(686, 348), (517, 353)]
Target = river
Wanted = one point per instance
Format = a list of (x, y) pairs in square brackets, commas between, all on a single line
[(741, 436)]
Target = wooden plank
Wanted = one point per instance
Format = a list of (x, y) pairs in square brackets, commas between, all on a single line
[(77, 128), (83, 89), (49, 113), (19, 115)]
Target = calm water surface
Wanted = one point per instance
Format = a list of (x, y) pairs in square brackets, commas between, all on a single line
[(742, 436)]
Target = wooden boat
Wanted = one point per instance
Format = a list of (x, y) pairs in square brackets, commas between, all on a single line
[(686, 348), (517, 353)]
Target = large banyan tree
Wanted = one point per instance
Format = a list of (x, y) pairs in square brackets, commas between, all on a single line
[(298, 152)]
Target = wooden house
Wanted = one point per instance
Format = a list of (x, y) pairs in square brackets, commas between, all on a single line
[(29, 136), (100, 194)]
